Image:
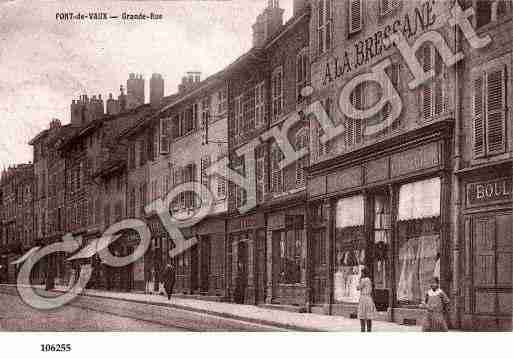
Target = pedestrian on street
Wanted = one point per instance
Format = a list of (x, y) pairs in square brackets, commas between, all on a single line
[(168, 277), (436, 304), (366, 306)]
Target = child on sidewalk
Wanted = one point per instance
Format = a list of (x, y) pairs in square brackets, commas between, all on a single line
[(436, 303), (366, 307)]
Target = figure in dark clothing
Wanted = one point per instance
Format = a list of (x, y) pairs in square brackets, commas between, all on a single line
[(168, 277)]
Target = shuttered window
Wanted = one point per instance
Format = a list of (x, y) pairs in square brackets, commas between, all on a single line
[(325, 27), (355, 16), (302, 71), (164, 135), (433, 96), (205, 179), (489, 112), (277, 93), (260, 178), (354, 127), (388, 6), (260, 104), (276, 172), (301, 142)]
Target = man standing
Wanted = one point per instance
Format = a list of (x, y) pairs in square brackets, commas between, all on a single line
[(168, 277)]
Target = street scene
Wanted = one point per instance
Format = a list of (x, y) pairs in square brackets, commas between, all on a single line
[(306, 165)]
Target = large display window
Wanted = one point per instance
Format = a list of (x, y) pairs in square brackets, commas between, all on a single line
[(418, 239), (349, 248)]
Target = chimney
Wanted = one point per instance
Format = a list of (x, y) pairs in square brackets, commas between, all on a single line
[(112, 105), (134, 90), (122, 99), (268, 23), (191, 79), (298, 6), (156, 89)]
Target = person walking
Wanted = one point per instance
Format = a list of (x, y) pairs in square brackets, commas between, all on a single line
[(436, 304), (366, 306), (168, 277)]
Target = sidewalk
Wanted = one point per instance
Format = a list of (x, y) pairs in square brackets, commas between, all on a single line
[(254, 314)]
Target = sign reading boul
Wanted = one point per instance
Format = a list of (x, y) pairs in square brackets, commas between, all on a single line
[(490, 191)]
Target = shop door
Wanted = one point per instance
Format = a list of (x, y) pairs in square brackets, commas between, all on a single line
[(242, 272), (492, 271), (276, 265), (205, 263), (194, 269), (319, 270), (261, 272)]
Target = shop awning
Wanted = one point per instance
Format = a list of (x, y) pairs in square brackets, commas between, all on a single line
[(26, 256), (94, 247)]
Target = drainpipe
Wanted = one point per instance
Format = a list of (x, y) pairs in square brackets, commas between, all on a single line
[(456, 191)]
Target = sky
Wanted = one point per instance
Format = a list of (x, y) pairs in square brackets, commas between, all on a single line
[(45, 63)]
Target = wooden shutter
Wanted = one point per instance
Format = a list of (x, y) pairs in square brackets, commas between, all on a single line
[(478, 117), (495, 111), (205, 179), (164, 136), (355, 16), (427, 90), (355, 125)]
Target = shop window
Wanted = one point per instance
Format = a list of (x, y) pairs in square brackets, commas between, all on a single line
[(489, 112), (325, 26), (349, 248), (418, 258), (355, 16)]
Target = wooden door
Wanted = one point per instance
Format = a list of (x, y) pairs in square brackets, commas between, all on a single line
[(205, 263), (319, 269), (194, 269), (261, 266), (276, 264), (492, 271)]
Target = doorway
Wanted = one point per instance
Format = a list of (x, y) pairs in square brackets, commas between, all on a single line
[(261, 270), (194, 269), (206, 249)]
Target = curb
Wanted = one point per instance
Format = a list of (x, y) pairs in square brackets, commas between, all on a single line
[(272, 323)]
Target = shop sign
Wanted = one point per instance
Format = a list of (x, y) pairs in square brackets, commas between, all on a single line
[(490, 191), (363, 51), (243, 223)]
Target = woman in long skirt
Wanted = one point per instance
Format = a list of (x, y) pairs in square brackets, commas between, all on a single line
[(366, 306), (436, 305)]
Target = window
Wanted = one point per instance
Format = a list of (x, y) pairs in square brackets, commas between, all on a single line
[(276, 172), (142, 152), (131, 203), (324, 29), (349, 248), (205, 111), (355, 16), (417, 260), (221, 183), (238, 115), (490, 10), (249, 110), (277, 93), (142, 199), (382, 118), (386, 7), (302, 73), (260, 105), (291, 248), (354, 127), (222, 101), (118, 211), (189, 176), (167, 184), (433, 92), (106, 212), (302, 141), (131, 155), (260, 177), (240, 193), (205, 178), (489, 111)]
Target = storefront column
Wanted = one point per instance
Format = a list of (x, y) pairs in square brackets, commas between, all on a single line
[(394, 200), (330, 249), (308, 260)]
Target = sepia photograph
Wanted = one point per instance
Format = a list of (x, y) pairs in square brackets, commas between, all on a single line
[(247, 166)]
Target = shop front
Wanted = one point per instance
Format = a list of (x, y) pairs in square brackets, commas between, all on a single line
[(287, 250), (384, 207), (246, 259), (210, 254), (487, 248)]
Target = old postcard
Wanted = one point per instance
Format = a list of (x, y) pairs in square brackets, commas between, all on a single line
[(255, 166)]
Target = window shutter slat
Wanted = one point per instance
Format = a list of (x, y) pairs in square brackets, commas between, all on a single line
[(495, 111), (479, 130)]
